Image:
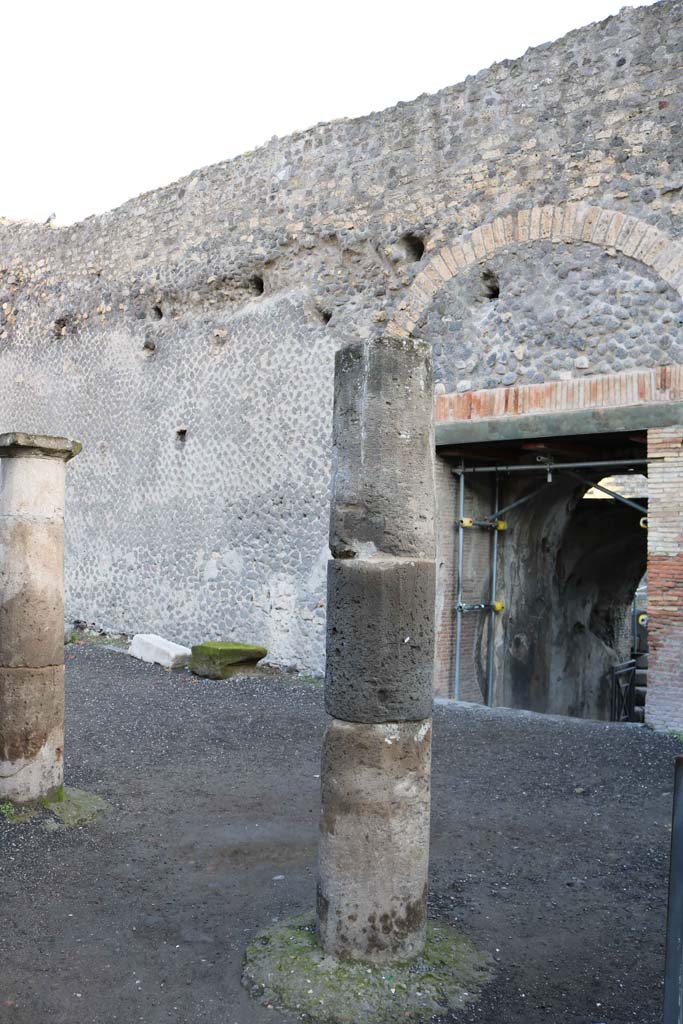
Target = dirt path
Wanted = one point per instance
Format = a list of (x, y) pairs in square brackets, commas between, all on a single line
[(550, 849)]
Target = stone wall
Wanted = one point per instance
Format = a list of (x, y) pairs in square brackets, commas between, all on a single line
[(201, 507), (213, 307), (554, 310)]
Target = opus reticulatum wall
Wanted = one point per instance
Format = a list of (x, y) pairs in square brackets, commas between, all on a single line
[(526, 222)]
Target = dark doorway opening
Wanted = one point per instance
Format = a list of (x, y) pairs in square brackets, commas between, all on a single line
[(558, 527)]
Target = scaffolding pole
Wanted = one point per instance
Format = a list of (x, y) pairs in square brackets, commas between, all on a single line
[(543, 465), (458, 612), (492, 612)]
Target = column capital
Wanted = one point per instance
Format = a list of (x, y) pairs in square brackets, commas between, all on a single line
[(17, 445)]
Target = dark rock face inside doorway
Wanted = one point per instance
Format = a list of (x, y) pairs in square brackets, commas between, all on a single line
[(569, 579)]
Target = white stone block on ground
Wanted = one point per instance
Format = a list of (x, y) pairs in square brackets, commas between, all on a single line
[(153, 648)]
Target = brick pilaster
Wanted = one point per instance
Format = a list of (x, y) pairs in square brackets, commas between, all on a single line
[(664, 705)]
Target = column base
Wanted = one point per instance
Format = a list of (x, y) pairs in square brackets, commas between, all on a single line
[(286, 969), (27, 779)]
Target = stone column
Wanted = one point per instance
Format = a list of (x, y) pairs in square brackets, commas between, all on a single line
[(374, 832), (32, 482)]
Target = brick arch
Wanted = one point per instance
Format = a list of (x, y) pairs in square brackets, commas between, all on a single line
[(566, 222)]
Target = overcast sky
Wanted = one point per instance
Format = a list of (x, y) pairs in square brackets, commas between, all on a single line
[(102, 101)]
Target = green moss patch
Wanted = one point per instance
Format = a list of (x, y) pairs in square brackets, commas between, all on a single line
[(220, 659), (65, 808), (284, 967), (76, 807), (9, 811)]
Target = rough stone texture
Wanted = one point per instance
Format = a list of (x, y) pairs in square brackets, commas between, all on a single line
[(374, 825), (214, 304), (31, 732), (374, 840), (31, 591), (221, 659), (380, 644), (558, 224), (568, 573), (380, 605), (154, 649), (562, 309), (32, 484), (31, 710), (38, 446), (225, 530), (383, 444)]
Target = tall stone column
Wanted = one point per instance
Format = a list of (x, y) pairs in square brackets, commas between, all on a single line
[(374, 831), (32, 484)]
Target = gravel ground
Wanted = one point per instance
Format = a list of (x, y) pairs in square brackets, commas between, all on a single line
[(549, 849)]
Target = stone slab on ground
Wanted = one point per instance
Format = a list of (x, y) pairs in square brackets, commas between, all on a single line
[(221, 659), (158, 651)]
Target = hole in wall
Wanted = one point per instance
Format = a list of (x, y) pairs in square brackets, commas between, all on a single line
[(324, 314), (181, 434), (491, 284), (256, 284), (149, 345), (60, 326), (413, 247), (156, 312)]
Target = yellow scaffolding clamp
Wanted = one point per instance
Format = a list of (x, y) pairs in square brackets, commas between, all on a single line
[(498, 606), (485, 524)]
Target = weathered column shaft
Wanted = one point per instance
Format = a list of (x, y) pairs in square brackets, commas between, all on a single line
[(32, 484), (374, 839), (374, 831)]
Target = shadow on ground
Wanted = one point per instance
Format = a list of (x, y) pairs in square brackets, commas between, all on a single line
[(550, 850)]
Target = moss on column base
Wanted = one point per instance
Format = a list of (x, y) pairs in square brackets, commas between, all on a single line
[(64, 807), (76, 807), (284, 967)]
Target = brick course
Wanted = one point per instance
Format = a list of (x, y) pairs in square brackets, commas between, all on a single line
[(659, 384)]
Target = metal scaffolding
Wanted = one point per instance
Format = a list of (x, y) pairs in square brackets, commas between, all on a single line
[(496, 524)]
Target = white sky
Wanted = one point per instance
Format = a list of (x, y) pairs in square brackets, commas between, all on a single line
[(102, 101)]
